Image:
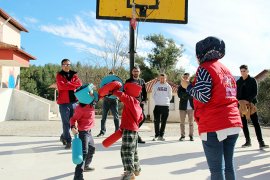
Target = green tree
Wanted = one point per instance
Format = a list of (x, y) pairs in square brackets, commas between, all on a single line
[(37, 79), (264, 100), (165, 53), (147, 73)]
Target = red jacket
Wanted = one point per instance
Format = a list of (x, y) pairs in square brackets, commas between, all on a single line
[(66, 86), (132, 112), (221, 111), (84, 116)]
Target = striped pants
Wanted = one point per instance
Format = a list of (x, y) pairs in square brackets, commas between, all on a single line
[(129, 153)]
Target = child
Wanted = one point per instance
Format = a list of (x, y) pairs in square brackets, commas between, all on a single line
[(84, 115), (131, 117)]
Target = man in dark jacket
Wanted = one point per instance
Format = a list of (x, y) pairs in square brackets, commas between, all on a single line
[(67, 81), (185, 108), (247, 91), (143, 96)]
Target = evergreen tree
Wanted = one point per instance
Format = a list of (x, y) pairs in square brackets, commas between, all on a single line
[(264, 100)]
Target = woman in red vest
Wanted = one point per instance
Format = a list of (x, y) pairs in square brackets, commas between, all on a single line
[(215, 108)]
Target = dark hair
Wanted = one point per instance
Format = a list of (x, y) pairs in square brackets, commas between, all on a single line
[(82, 104), (163, 74), (186, 74), (111, 72), (64, 60), (136, 67), (244, 67)]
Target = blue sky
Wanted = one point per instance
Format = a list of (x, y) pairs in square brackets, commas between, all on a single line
[(68, 29)]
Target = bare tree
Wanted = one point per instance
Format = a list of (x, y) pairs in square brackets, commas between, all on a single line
[(115, 52)]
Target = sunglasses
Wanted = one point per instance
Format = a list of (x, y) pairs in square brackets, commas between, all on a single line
[(66, 65)]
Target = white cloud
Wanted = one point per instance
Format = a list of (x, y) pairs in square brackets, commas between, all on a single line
[(143, 46), (81, 28), (184, 62), (31, 20), (93, 36), (243, 25), (84, 48)]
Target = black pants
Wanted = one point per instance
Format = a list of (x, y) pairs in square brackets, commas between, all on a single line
[(109, 104), (255, 122), (88, 151), (161, 114)]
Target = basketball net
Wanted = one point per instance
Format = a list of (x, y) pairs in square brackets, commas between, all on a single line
[(133, 21)]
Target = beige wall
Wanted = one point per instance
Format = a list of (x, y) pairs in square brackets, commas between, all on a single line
[(9, 34), (20, 105), (5, 96)]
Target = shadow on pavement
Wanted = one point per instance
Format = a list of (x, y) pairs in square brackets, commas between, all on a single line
[(113, 178), (60, 176), (27, 143), (261, 171), (39, 149)]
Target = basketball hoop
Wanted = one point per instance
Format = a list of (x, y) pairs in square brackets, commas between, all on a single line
[(167, 11)]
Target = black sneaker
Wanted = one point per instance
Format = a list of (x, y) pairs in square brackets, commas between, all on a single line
[(140, 140), (182, 138), (263, 146), (79, 177), (247, 144), (100, 134), (68, 146), (191, 138), (87, 169), (63, 140)]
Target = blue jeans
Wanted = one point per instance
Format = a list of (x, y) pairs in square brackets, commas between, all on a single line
[(66, 112), (109, 104), (219, 156)]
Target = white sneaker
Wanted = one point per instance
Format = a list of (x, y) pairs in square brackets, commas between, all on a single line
[(155, 138), (161, 138)]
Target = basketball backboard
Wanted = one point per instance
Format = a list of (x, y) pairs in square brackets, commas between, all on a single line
[(163, 11)]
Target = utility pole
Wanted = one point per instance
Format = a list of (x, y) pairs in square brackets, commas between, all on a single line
[(132, 27)]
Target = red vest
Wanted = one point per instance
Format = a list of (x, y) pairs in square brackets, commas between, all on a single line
[(221, 111)]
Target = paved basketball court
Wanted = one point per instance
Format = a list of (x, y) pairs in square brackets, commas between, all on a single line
[(31, 150)]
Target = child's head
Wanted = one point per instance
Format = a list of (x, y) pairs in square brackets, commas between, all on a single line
[(132, 89)]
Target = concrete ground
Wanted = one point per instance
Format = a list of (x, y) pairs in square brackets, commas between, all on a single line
[(31, 150)]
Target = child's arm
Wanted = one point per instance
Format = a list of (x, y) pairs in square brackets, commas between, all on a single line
[(121, 95), (77, 115)]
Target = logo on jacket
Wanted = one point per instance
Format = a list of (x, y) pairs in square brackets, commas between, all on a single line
[(162, 88), (230, 86)]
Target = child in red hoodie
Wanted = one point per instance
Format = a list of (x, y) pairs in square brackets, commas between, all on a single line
[(84, 115), (131, 117)]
